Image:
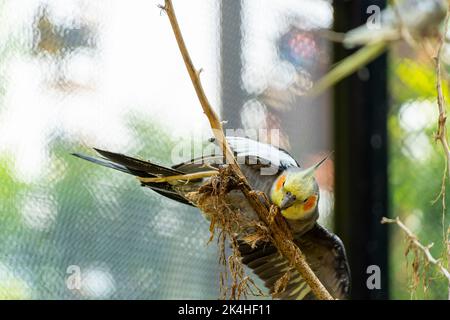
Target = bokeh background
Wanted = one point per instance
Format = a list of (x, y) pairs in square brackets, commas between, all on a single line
[(77, 74)]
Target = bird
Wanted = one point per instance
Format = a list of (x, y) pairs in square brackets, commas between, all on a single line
[(292, 188), (412, 20)]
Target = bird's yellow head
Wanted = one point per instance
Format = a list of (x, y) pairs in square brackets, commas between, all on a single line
[(296, 192)]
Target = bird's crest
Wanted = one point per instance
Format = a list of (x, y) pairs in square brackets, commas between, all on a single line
[(302, 181)]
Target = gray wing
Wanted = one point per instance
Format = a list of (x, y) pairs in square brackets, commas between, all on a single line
[(256, 158), (266, 153), (261, 163), (325, 254)]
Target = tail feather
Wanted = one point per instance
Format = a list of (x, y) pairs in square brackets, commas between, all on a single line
[(166, 190), (138, 165), (103, 163), (138, 168)]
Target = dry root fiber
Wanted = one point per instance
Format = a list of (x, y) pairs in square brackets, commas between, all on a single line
[(419, 269), (229, 224)]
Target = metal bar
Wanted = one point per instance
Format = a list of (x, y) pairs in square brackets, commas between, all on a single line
[(361, 159), (232, 94)]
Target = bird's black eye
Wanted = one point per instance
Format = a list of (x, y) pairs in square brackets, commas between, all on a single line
[(304, 201), (290, 195)]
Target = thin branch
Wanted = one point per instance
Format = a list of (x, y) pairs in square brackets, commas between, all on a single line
[(186, 177), (214, 121), (280, 232), (416, 243), (441, 134), (331, 35), (347, 66)]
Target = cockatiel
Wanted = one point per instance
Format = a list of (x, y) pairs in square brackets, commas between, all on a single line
[(293, 189), (416, 18)]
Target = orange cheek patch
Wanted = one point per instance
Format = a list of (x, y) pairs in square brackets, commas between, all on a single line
[(310, 203), (280, 182)]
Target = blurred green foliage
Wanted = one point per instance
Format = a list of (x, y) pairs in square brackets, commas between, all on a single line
[(415, 183)]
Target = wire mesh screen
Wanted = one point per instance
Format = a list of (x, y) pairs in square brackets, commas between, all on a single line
[(82, 74)]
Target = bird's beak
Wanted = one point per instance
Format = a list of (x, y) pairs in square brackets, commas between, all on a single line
[(288, 200)]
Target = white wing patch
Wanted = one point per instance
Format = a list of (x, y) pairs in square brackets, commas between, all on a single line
[(244, 147)]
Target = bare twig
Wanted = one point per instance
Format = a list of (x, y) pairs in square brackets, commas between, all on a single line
[(347, 66), (282, 240), (186, 177), (416, 243), (331, 35), (214, 121), (441, 134)]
